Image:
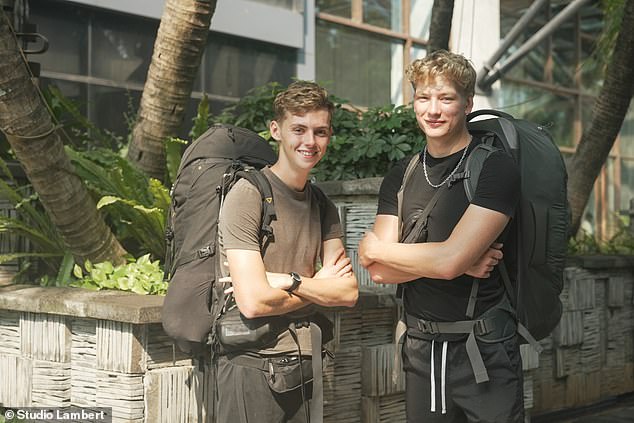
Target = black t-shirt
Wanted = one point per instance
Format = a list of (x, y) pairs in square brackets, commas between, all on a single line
[(498, 189)]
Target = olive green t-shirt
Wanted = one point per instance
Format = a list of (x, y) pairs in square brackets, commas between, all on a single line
[(304, 220)]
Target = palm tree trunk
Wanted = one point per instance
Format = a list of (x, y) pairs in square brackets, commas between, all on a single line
[(180, 43), (608, 114), (440, 26), (26, 122)]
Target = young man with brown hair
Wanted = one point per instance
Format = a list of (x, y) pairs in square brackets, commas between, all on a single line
[(457, 368), (255, 385)]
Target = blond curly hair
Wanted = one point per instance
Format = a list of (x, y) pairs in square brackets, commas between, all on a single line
[(441, 63), (300, 98)]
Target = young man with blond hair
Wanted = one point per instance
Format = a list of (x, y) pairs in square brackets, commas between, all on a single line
[(460, 356), (270, 383)]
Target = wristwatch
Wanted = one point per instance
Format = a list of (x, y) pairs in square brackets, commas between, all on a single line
[(296, 281)]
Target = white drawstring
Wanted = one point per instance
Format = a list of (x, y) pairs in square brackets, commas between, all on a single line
[(442, 375), (433, 380)]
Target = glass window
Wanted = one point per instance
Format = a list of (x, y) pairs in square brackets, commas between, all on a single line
[(627, 183), (556, 112), (383, 13), (418, 53), (354, 65), (591, 73), (235, 65), (420, 18), (564, 56), (122, 47), (65, 27), (555, 59), (341, 8), (536, 64), (109, 106), (590, 27), (286, 4), (73, 91)]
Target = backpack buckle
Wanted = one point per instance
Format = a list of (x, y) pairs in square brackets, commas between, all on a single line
[(483, 326), (204, 252), (427, 327)]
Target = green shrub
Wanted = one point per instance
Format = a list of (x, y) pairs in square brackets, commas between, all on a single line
[(141, 276), (364, 143), (134, 204), (29, 222)]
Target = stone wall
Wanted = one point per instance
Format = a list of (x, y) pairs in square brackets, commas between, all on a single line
[(68, 346), (590, 356)]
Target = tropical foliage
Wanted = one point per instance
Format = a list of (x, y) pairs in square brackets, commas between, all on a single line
[(142, 276), (364, 144), (134, 204), (28, 222), (622, 242)]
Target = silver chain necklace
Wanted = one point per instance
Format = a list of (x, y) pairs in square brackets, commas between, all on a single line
[(452, 172)]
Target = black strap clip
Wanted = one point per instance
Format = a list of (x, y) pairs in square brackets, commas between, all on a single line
[(483, 327), (204, 252)]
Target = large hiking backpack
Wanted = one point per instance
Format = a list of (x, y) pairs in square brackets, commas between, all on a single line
[(541, 221), (209, 166)]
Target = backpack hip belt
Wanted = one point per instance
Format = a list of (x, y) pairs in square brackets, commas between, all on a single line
[(495, 325)]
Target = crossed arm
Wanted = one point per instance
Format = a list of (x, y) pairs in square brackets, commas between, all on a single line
[(260, 293), (469, 249)]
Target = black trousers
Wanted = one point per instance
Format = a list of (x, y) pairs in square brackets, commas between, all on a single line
[(244, 396), (500, 400)]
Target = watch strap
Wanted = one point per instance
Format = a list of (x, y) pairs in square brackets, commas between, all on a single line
[(296, 281)]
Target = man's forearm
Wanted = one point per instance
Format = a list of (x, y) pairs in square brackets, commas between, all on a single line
[(274, 303), (381, 273), (329, 292), (400, 261)]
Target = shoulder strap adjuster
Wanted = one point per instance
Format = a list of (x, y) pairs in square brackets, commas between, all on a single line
[(204, 252)]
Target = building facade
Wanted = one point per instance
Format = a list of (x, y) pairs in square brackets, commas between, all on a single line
[(100, 50)]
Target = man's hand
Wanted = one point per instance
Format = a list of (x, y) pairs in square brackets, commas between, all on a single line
[(338, 267), (368, 244), (482, 268)]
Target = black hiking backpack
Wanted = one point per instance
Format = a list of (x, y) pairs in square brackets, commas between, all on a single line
[(541, 220), (208, 169)]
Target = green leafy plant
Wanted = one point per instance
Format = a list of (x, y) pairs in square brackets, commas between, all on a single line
[(79, 131), (367, 144), (254, 110), (29, 222), (141, 276), (364, 144), (622, 242), (135, 204)]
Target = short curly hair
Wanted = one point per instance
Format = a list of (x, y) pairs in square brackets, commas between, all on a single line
[(300, 98), (441, 63)]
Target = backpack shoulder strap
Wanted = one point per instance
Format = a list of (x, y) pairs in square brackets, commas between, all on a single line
[(399, 196), (263, 186), (319, 195), (475, 162)]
